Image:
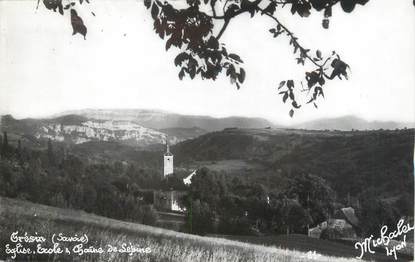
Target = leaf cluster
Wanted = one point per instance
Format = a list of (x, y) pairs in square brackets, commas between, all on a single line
[(191, 30), (77, 23)]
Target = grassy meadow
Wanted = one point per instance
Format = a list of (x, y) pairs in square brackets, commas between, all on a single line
[(165, 245)]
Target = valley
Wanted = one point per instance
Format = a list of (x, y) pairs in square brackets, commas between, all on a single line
[(250, 183)]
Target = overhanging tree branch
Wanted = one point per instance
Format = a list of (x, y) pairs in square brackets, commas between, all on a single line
[(212, 5), (191, 30), (291, 35), (225, 25)]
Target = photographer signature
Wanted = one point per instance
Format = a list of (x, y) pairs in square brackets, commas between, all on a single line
[(385, 239)]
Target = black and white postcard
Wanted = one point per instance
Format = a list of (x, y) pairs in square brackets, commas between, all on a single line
[(207, 130)]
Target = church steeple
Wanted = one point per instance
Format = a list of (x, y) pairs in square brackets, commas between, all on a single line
[(168, 153), (167, 148), (168, 167)]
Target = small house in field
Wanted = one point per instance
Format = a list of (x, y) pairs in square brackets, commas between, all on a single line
[(315, 232), (348, 214), (344, 224), (337, 229)]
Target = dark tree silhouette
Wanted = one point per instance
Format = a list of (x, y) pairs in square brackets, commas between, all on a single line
[(5, 145), (19, 150), (197, 29), (51, 153)]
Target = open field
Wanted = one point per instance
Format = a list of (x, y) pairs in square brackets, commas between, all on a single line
[(165, 245), (336, 248)]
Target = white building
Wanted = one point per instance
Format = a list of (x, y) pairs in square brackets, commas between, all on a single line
[(188, 179)]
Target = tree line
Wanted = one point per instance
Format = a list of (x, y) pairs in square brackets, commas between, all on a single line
[(49, 176)]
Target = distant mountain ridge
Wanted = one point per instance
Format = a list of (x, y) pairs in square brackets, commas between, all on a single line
[(132, 127), (158, 119), (140, 127), (74, 129), (348, 123)]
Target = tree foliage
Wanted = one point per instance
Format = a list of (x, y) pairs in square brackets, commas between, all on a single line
[(196, 27), (46, 177), (262, 202)]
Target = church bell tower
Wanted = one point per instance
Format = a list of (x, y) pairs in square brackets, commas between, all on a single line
[(168, 161)]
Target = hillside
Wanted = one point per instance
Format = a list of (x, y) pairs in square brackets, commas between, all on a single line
[(140, 128), (303, 243), (348, 123), (183, 133), (250, 176), (150, 128), (350, 161), (76, 129), (158, 119), (163, 245)]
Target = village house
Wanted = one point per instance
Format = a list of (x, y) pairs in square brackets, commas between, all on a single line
[(344, 224)]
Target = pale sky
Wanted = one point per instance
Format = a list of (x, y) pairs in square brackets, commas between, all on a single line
[(45, 70)]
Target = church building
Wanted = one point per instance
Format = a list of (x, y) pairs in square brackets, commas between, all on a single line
[(168, 162)]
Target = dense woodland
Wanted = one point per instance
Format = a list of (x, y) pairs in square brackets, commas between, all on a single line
[(371, 171), (351, 162)]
